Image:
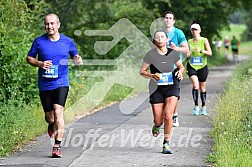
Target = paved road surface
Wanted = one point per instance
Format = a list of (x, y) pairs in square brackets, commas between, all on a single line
[(109, 138)]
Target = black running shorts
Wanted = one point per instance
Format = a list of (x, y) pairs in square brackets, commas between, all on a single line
[(56, 96), (201, 73), (163, 92), (235, 50)]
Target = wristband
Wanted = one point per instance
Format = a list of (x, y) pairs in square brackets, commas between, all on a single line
[(200, 51)]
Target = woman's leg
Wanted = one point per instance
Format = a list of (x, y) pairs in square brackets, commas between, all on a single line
[(157, 110), (170, 104)]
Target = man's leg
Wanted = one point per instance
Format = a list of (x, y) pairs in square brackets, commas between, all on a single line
[(60, 96), (59, 121), (49, 118), (46, 98)]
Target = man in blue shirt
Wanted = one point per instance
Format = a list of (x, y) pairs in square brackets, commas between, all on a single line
[(53, 50), (177, 42)]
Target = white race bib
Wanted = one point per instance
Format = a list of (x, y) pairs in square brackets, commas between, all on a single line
[(51, 72), (197, 61), (165, 79)]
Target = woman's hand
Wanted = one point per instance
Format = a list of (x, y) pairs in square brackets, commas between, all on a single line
[(179, 75), (156, 76), (197, 49)]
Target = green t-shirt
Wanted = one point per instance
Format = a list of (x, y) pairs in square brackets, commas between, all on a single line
[(234, 43), (197, 60)]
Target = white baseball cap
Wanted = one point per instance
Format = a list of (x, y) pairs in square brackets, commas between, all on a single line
[(195, 26)]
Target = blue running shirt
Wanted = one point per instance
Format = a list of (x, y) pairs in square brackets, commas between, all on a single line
[(57, 52), (177, 37)]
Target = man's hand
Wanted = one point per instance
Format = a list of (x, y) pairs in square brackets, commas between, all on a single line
[(46, 64), (77, 60), (173, 46)]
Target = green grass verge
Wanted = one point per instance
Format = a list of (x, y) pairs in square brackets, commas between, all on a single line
[(232, 130), (19, 124)]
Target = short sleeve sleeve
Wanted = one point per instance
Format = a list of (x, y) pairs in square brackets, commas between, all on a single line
[(73, 51), (148, 58), (34, 49), (181, 37)]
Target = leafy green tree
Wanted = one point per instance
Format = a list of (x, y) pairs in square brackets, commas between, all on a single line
[(248, 34), (212, 15), (17, 81), (91, 15)]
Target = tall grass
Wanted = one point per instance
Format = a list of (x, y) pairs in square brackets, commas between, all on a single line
[(18, 124), (232, 130)]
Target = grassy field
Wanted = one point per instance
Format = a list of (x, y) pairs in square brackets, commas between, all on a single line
[(232, 130), (235, 29)]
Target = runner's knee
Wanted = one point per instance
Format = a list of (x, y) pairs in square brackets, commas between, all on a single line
[(49, 118)]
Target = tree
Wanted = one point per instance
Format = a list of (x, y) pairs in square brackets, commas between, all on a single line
[(212, 15), (17, 80), (95, 15)]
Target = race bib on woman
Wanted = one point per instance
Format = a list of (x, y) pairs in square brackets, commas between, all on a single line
[(165, 79), (197, 61), (51, 72)]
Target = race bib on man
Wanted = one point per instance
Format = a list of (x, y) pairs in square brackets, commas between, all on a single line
[(165, 79), (51, 72), (234, 46), (197, 61)]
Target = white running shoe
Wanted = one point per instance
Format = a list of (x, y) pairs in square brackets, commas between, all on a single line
[(175, 122)]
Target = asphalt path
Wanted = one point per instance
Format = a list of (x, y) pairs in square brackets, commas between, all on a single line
[(109, 138)]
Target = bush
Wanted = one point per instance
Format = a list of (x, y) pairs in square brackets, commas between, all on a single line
[(17, 77)]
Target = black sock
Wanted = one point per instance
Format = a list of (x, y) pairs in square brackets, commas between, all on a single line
[(165, 142), (203, 98), (195, 96), (57, 142)]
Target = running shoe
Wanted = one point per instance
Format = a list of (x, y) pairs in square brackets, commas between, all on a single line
[(166, 148), (155, 130), (56, 153), (175, 122), (203, 110), (50, 130), (196, 110)]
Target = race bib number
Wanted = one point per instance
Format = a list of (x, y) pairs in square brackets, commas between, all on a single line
[(197, 61), (166, 79), (234, 46), (51, 72)]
